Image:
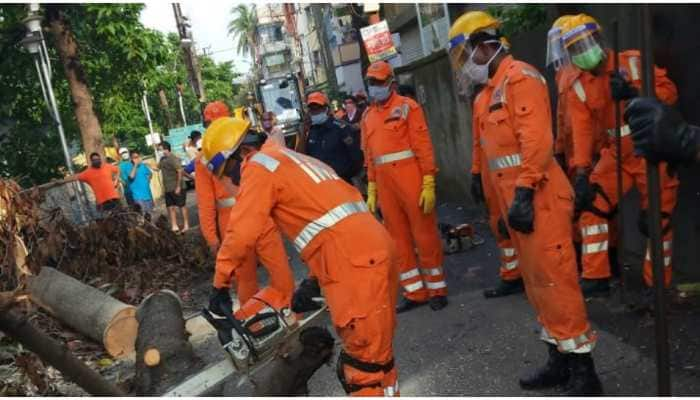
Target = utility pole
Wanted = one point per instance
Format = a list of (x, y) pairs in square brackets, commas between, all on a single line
[(325, 49), (189, 55)]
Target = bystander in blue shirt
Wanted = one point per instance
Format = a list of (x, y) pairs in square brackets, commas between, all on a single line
[(140, 188)]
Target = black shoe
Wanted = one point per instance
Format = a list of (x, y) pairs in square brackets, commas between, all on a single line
[(584, 380), (595, 287), (555, 372), (505, 288), (438, 302), (406, 304)]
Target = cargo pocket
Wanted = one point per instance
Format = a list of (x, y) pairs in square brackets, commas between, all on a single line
[(498, 128)]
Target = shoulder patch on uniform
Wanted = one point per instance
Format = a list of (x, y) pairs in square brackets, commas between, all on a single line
[(266, 161), (580, 92), (533, 74)]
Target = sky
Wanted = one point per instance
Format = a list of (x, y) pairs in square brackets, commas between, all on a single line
[(209, 27)]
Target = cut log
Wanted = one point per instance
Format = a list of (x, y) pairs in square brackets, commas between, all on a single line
[(164, 356), (87, 310), (55, 354)]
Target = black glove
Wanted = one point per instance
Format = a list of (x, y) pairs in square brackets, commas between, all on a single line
[(584, 193), (503, 229), (220, 302), (660, 133), (561, 160), (302, 301), (643, 222), (521, 215), (477, 188), (621, 89)]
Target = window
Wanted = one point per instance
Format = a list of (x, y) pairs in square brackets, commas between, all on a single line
[(270, 33)]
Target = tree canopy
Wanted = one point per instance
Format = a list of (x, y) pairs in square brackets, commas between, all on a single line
[(121, 59)]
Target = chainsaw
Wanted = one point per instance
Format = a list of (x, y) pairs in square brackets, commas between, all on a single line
[(459, 238), (259, 330)]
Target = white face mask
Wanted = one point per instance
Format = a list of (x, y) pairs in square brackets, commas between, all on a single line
[(125, 156), (479, 74)]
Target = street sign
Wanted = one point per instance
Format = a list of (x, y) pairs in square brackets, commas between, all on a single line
[(152, 138), (377, 41)]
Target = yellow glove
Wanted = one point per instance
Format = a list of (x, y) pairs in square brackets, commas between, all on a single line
[(372, 197), (427, 194)]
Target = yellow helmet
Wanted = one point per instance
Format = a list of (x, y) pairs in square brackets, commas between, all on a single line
[(579, 27), (472, 22), (221, 139), (556, 53), (559, 22)]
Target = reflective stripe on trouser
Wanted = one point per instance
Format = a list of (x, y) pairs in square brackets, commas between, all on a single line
[(398, 191), (364, 316), (667, 255), (547, 260), (583, 343), (508, 269), (595, 229)]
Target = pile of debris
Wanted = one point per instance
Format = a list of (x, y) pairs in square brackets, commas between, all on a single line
[(122, 254)]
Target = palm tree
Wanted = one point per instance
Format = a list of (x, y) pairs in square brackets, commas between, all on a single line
[(242, 28)]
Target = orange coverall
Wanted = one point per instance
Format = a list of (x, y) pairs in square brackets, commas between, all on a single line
[(513, 119), (508, 269), (345, 247), (215, 199), (398, 153), (592, 112)]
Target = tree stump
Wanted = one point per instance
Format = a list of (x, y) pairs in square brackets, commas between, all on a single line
[(164, 356), (87, 310)]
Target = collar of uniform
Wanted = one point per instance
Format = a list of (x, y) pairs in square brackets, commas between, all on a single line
[(501, 70)]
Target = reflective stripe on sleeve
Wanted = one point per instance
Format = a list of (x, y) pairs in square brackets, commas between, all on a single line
[(226, 202), (332, 217)]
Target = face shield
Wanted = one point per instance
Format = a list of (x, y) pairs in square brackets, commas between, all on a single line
[(584, 46), (557, 57), (468, 74)]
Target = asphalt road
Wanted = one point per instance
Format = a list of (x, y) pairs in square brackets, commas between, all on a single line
[(480, 347)]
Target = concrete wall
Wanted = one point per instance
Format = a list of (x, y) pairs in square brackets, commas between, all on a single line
[(675, 29), (449, 122)]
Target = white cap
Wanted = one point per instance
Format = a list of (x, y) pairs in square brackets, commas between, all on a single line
[(123, 150)]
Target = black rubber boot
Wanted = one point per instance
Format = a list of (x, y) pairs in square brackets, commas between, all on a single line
[(406, 305), (438, 302), (555, 372), (584, 380), (505, 288), (595, 287)]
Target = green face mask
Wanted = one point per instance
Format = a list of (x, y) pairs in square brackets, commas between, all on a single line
[(589, 59)]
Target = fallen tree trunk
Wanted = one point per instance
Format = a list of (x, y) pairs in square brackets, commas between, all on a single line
[(87, 310), (56, 354), (164, 356)]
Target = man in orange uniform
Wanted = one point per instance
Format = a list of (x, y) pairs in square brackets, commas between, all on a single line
[(482, 191), (591, 103), (350, 255), (513, 119), (401, 174), (215, 199)]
